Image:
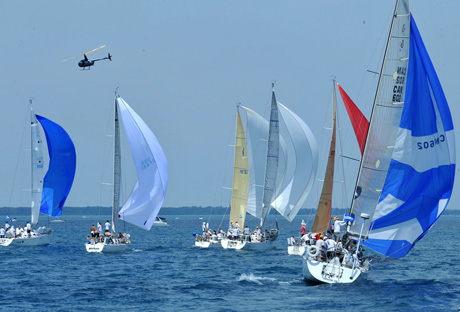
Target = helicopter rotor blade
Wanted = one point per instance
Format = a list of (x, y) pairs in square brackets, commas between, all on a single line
[(95, 49), (81, 55), (71, 58)]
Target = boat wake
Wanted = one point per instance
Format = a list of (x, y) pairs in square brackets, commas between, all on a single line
[(254, 279)]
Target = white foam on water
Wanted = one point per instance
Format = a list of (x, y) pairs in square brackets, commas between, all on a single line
[(254, 279)]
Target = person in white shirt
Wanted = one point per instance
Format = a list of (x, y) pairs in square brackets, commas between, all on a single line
[(246, 230), (2, 232), (7, 226), (19, 231), (235, 233), (28, 228), (292, 241), (319, 244), (203, 226), (107, 225), (237, 225), (330, 248), (338, 226), (12, 231)]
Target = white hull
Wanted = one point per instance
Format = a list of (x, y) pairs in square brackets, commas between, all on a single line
[(106, 248), (297, 250), (35, 240), (331, 273), (160, 223), (206, 244), (232, 244)]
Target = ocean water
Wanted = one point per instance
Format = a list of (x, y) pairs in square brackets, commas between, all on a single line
[(163, 271)]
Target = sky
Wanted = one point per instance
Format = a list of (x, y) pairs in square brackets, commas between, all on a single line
[(183, 66)]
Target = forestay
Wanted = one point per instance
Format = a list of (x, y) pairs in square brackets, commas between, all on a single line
[(148, 194), (420, 178)]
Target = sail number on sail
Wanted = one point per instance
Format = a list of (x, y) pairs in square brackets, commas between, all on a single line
[(431, 143), (399, 86)]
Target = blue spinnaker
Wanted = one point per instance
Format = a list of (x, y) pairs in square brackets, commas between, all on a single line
[(420, 179), (61, 170)]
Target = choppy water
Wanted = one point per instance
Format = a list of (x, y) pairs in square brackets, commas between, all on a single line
[(162, 271)]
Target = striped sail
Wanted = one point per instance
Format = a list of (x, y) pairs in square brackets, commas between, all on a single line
[(61, 169), (384, 122), (323, 212), (148, 194), (240, 176), (420, 178)]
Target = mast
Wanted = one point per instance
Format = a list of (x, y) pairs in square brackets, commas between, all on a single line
[(271, 165), (116, 170), (37, 166), (384, 122), (323, 212)]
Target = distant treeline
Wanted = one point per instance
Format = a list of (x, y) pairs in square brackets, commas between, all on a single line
[(193, 210)]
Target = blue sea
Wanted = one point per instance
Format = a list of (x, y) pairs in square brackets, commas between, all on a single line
[(163, 271)]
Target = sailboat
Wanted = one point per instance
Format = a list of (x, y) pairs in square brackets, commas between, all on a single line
[(49, 193), (147, 196), (407, 169), (285, 180), (323, 211)]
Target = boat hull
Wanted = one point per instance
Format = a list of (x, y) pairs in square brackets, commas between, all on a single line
[(106, 248), (297, 250), (160, 223), (232, 244), (331, 273), (34, 240)]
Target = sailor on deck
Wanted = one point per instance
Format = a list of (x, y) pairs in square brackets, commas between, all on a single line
[(303, 228), (2, 232), (338, 226)]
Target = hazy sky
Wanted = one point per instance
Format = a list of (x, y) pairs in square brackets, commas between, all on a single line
[(183, 66)]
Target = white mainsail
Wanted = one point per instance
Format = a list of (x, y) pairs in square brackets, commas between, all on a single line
[(148, 194), (384, 122), (37, 167)]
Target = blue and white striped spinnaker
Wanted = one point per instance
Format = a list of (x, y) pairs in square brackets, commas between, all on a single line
[(420, 178)]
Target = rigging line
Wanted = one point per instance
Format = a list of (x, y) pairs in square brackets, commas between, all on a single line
[(19, 154)]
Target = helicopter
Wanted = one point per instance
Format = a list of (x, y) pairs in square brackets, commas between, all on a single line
[(86, 63)]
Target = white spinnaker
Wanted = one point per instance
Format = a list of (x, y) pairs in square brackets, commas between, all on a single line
[(148, 194), (305, 159), (37, 167), (385, 119), (256, 139)]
